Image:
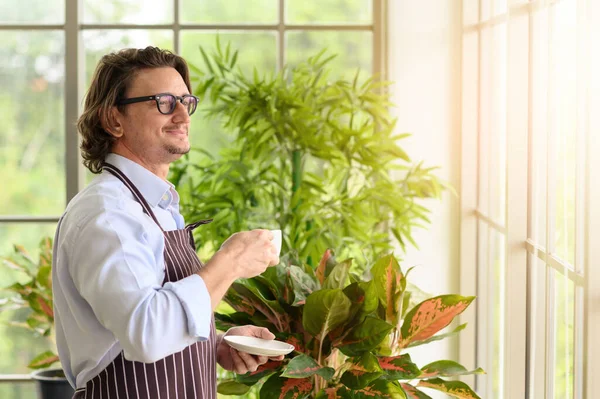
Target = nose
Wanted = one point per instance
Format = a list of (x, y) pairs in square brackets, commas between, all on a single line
[(180, 113)]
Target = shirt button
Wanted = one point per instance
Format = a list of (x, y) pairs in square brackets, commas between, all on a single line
[(165, 197)]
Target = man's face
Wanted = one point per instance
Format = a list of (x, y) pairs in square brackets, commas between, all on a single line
[(152, 137)]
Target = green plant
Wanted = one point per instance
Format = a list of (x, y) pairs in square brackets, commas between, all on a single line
[(310, 156), (35, 294), (350, 334)]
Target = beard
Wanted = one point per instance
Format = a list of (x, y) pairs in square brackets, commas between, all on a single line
[(178, 150)]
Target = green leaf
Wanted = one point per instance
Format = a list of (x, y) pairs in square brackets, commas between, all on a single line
[(325, 310), (251, 378), (362, 372), (446, 368), (301, 283), (364, 299), (457, 389), (303, 366), (43, 360), (232, 388), (338, 278), (11, 264), (399, 367), (255, 295), (430, 316), (277, 387), (413, 393), (44, 277), (365, 336)]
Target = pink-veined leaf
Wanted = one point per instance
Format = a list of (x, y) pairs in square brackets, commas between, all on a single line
[(399, 367), (390, 283), (380, 389), (361, 372), (277, 387), (430, 316), (413, 393), (332, 393), (439, 336), (322, 266), (446, 368), (303, 366), (457, 389)]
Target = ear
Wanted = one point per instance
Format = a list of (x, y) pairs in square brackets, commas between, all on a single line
[(111, 121)]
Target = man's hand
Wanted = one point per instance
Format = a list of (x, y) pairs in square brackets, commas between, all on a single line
[(242, 362)]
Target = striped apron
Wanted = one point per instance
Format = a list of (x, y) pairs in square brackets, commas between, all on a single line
[(189, 374)]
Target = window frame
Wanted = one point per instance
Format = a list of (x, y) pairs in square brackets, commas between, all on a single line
[(518, 367), (75, 78)]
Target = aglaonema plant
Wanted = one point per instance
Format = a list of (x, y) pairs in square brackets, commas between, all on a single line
[(351, 334)]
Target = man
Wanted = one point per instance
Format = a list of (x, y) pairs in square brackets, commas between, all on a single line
[(133, 304)]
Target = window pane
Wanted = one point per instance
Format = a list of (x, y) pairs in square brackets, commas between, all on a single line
[(470, 12), (539, 125), (354, 50), (536, 279), (32, 114), (19, 346), (492, 188), (18, 391), (229, 11), (32, 12), (128, 12), (496, 326), (564, 306), (329, 12), (491, 310), (485, 94), (100, 42), (563, 116), (256, 50)]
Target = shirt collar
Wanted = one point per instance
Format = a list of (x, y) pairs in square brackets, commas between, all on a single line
[(152, 187)]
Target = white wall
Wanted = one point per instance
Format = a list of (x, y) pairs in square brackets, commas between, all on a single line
[(424, 63)]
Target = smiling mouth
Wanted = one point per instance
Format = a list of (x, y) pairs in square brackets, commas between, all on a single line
[(177, 131)]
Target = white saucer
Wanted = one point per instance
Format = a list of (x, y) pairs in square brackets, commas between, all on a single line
[(258, 346)]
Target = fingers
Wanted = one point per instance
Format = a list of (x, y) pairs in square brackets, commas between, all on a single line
[(262, 359), (238, 364), (267, 234), (249, 363), (264, 333)]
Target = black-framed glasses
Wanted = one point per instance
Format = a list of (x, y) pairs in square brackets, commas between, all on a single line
[(166, 102)]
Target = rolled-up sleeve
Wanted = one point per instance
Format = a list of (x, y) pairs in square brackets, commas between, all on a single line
[(117, 271), (191, 291)]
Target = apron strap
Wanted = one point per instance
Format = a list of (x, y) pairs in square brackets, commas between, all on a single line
[(134, 190)]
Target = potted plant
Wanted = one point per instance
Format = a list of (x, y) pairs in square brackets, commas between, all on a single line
[(313, 156), (35, 294), (350, 334)]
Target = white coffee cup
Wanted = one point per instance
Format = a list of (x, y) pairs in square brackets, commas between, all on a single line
[(277, 240)]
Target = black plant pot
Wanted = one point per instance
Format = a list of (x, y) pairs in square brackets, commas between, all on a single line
[(52, 384)]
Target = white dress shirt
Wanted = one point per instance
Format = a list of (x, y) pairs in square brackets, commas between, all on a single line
[(107, 276)]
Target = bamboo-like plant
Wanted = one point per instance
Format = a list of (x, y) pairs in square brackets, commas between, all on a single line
[(309, 155), (350, 335)]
